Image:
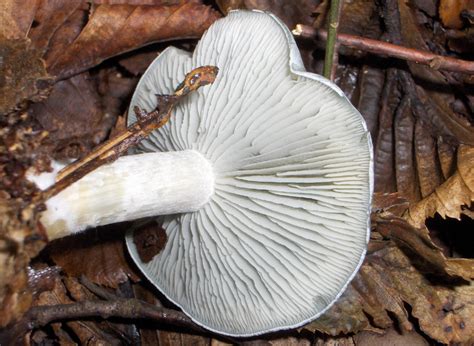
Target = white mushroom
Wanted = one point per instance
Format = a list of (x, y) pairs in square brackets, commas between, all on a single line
[(267, 172)]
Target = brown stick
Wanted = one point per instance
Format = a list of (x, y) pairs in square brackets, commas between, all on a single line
[(39, 316), (436, 62), (118, 145)]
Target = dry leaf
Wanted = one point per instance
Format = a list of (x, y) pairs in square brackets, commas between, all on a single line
[(115, 29), (73, 116), (22, 74), (434, 92), (448, 198), (16, 17), (390, 337), (105, 253), (450, 12), (378, 295), (383, 151), (428, 257)]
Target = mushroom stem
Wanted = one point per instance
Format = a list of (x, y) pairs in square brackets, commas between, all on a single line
[(130, 188)]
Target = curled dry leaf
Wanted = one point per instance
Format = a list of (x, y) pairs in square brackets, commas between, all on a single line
[(437, 95), (115, 29), (448, 198), (428, 257), (379, 295)]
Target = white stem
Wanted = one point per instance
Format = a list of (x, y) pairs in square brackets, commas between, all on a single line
[(130, 188)]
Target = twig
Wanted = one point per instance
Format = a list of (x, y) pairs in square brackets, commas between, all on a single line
[(118, 145), (436, 62), (39, 316), (97, 290), (331, 54)]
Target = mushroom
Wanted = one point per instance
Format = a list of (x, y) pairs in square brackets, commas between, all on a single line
[(265, 178)]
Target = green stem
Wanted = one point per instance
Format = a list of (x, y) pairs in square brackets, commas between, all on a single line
[(334, 14)]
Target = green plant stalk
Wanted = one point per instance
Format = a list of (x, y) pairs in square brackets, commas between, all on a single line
[(334, 14)]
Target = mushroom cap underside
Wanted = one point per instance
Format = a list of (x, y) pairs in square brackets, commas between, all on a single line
[(288, 224)]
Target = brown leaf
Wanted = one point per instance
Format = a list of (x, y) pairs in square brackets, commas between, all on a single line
[(16, 17), (437, 95), (448, 198), (387, 282), (405, 169), (384, 151), (393, 203), (429, 173), (371, 85), (114, 29), (23, 76), (73, 116), (104, 250), (418, 243), (390, 337), (115, 91), (55, 24), (450, 12)]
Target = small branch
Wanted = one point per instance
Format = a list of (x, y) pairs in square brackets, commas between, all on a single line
[(436, 62), (39, 316), (145, 124), (331, 54)]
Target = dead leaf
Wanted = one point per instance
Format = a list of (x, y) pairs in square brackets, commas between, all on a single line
[(384, 151), (434, 92), (448, 199), (405, 168), (388, 282), (73, 116), (422, 250), (370, 91), (23, 76), (394, 203), (115, 29), (16, 18), (391, 337), (450, 12), (105, 253)]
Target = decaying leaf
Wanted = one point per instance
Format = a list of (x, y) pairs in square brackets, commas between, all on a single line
[(73, 116), (105, 252), (407, 282), (448, 198), (22, 74), (434, 92), (428, 257), (386, 286), (115, 29), (450, 12)]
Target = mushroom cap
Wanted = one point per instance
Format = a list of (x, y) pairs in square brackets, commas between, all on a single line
[(288, 224)]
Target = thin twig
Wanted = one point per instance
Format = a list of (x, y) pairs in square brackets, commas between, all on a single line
[(436, 62), (334, 14), (118, 145), (39, 316)]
